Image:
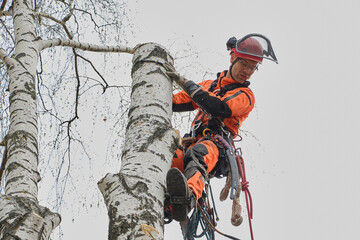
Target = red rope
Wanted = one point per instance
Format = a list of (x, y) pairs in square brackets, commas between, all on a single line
[(245, 188)]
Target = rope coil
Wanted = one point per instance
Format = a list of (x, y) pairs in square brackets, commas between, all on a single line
[(245, 188)]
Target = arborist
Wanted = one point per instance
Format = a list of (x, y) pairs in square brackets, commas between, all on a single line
[(223, 105)]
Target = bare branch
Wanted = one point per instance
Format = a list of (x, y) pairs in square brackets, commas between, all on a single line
[(97, 72), (61, 22), (5, 58), (84, 46), (7, 30), (67, 17), (77, 86), (3, 5), (91, 16), (7, 12), (51, 18)]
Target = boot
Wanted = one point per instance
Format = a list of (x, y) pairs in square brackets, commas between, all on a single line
[(181, 196)]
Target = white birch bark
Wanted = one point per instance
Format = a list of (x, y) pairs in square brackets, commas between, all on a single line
[(134, 197), (21, 217), (43, 44)]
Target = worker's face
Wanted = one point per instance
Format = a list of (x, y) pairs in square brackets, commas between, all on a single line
[(243, 69)]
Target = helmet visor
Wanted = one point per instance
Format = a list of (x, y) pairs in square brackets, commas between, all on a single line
[(256, 45)]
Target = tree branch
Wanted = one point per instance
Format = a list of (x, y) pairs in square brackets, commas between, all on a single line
[(5, 58), (6, 13), (71, 8), (7, 30), (84, 46), (3, 5), (97, 72)]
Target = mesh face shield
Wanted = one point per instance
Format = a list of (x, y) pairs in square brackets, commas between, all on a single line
[(255, 46)]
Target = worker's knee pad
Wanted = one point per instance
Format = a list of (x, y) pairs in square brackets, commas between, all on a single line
[(194, 167), (195, 157)]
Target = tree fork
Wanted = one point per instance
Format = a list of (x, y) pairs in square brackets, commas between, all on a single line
[(134, 197)]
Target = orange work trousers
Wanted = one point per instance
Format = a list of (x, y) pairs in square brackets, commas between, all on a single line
[(199, 160)]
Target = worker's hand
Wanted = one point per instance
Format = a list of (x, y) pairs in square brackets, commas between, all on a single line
[(180, 80), (173, 75)]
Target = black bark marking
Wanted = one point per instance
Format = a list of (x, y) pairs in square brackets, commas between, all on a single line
[(136, 66), (158, 52), (156, 105), (158, 134), (157, 71), (23, 40), (16, 92), (160, 155), (32, 123), (124, 153), (154, 166), (20, 55), (32, 16), (146, 118), (26, 4), (137, 85), (131, 110), (163, 186), (174, 144), (153, 170), (31, 88), (18, 15)]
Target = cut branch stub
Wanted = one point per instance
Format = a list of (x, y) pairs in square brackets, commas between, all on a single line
[(21, 218), (134, 197)]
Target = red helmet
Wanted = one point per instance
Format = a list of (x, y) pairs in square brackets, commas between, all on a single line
[(250, 49), (253, 46)]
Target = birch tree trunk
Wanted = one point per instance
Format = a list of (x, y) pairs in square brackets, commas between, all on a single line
[(21, 217), (134, 197)]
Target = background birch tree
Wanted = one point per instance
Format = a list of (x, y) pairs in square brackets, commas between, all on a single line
[(29, 28)]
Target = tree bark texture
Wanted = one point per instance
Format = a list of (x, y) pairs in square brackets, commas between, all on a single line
[(21, 217), (134, 197), (22, 174)]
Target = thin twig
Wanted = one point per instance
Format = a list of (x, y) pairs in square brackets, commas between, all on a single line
[(2, 5), (97, 72)]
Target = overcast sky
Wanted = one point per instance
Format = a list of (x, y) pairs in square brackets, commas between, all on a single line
[(303, 160)]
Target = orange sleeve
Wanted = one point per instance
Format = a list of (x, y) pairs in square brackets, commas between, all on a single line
[(240, 101), (182, 101)]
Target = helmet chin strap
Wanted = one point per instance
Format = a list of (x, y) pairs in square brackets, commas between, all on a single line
[(231, 66)]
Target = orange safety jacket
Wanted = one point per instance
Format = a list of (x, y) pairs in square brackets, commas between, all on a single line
[(224, 98)]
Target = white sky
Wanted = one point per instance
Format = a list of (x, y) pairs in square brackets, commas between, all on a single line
[(303, 170)]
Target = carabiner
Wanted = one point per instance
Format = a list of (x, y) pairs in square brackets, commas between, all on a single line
[(207, 131)]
